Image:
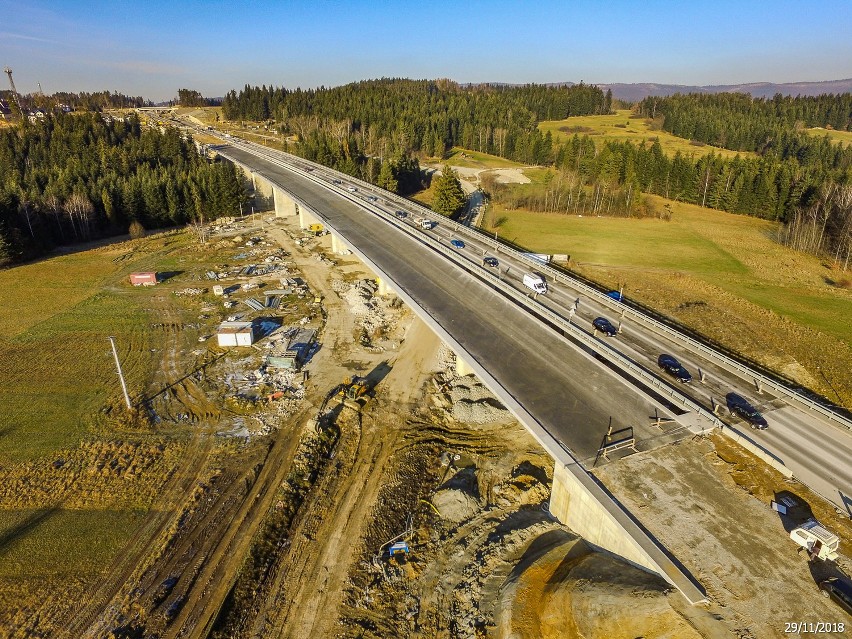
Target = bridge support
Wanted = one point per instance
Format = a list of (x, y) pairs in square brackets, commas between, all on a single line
[(462, 367), (384, 289), (264, 193), (306, 218), (339, 248), (573, 505), (284, 204)]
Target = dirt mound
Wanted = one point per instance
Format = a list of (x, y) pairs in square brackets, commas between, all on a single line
[(455, 505), (564, 589)]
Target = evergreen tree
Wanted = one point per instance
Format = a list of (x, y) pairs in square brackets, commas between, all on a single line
[(387, 180), (449, 197)]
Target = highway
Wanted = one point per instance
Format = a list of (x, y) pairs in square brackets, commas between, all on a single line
[(818, 452)]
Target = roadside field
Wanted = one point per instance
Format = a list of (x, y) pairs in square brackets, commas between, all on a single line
[(844, 138), (722, 274), (620, 127)]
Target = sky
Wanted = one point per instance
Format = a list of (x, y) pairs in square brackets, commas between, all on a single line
[(153, 47)]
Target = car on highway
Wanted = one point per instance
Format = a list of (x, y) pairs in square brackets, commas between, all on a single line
[(739, 405), (372, 198), (401, 215), (336, 182), (674, 368), (839, 590), (308, 168), (490, 261), (351, 189), (603, 325), (457, 243)]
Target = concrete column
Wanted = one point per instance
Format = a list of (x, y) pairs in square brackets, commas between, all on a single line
[(306, 218), (339, 248), (384, 288), (462, 367), (284, 204)]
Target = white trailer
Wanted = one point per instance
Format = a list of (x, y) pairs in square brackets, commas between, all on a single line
[(817, 540), (535, 282)]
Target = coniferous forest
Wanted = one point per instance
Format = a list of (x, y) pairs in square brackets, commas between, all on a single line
[(376, 129), (76, 177)]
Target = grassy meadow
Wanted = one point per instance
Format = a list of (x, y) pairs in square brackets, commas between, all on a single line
[(74, 484), (620, 127), (844, 138)]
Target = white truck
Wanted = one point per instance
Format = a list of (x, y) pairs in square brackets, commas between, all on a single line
[(424, 223), (820, 542), (535, 282)]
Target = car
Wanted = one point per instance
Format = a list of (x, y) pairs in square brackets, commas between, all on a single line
[(603, 325), (401, 215), (351, 189), (308, 168), (616, 295), (674, 367), (839, 590), (739, 405), (372, 198), (336, 182), (490, 261), (457, 244)]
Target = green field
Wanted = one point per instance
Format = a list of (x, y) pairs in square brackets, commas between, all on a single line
[(722, 274), (620, 127), (844, 138)]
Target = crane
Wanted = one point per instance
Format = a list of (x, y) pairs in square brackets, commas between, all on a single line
[(8, 72)]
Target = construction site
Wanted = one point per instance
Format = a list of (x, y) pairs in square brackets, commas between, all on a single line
[(335, 477)]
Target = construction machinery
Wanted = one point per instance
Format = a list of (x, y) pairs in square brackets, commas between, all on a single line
[(15, 97), (353, 392)]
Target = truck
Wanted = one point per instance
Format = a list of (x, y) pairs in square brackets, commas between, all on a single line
[(425, 223), (535, 282), (820, 542)]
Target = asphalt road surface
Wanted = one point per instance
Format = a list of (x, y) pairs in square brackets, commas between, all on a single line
[(573, 397)]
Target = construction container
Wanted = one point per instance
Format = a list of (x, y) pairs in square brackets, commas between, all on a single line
[(235, 334), (143, 279)]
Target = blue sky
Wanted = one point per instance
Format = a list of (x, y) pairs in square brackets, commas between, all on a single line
[(152, 48)]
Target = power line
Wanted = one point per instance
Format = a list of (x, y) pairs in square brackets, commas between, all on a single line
[(120, 374)]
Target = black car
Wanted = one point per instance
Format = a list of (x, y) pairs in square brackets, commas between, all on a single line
[(741, 406), (839, 589), (401, 215), (605, 326), (674, 367), (490, 261)]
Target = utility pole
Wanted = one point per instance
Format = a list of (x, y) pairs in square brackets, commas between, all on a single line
[(120, 374)]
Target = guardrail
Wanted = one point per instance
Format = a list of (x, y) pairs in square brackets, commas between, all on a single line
[(721, 359), (556, 320)]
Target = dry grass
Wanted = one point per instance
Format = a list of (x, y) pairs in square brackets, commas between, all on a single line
[(620, 127)]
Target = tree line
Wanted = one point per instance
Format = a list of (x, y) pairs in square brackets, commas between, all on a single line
[(412, 116), (72, 178), (83, 101)]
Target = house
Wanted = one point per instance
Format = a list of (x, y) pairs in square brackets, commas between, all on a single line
[(235, 334), (147, 278), (5, 111)]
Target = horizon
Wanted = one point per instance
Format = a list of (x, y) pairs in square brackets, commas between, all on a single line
[(212, 47)]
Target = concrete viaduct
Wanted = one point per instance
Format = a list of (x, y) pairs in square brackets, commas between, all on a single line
[(578, 500)]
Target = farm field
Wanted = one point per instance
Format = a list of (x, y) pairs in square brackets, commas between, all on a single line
[(620, 127), (723, 275)]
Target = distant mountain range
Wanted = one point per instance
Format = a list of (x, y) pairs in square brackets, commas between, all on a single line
[(638, 91)]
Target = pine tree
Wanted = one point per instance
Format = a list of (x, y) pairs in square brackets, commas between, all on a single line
[(449, 197), (387, 180)]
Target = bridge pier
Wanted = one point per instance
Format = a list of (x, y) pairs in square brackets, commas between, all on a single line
[(306, 218), (284, 204), (384, 288), (339, 248), (462, 367), (264, 193)]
